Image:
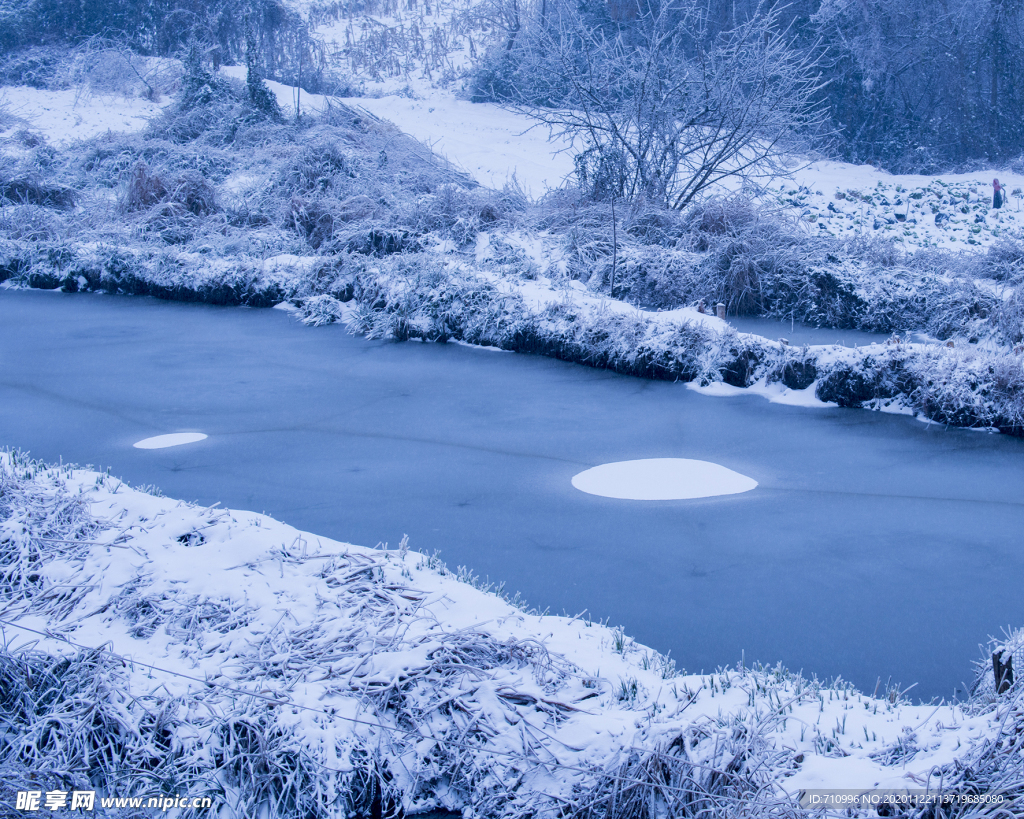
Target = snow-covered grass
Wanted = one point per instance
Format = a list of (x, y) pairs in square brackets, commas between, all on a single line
[(153, 646)]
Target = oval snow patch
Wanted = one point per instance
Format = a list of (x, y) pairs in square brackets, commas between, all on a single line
[(662, 479), (174, 439)]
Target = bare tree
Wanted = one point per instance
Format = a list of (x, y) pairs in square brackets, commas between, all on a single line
[(657, 110)]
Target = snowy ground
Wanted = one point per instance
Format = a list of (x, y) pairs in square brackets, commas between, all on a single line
[(494, 145), (949, 210), (205, 603), (73, 114)]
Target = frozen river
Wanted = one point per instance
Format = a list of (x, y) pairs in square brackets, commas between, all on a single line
[(873, 546)]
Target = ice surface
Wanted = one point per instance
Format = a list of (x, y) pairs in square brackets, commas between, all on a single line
[(473, 454), (662, 479)]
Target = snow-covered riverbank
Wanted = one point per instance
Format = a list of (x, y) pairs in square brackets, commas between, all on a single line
[(291, 669)]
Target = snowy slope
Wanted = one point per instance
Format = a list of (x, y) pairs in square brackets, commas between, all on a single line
[(492, 144)]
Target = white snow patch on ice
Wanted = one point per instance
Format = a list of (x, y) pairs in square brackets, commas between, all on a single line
[(662, 479), (777, 393), (172, 439)]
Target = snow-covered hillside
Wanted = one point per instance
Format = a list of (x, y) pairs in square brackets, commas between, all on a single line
[(498, 147), (354, 662)]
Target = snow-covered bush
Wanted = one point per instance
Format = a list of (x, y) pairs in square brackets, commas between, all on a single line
[(1004, 260), (318, 311), (1008, 315), (455, 212), (30, 224)]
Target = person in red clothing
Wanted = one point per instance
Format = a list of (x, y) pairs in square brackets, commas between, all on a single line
[(997, 194)]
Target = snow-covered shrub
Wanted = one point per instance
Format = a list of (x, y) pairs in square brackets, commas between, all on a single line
[(652, 276), (651, 225), (584, 227), (721, 216), (209, 109), (172, 205), (796, 368), (1008, 315), (29, 190), (922, 297), (172, 222), (1004, 260), (314, 219), (425, 296), (856, 383), (667, 781), (16, 259), (755, 261), (36, 66), (142, 189), (317, 167), (318, 311), (454, 211), (962, 386), (192, 191), (333, 276), (967, 387)]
